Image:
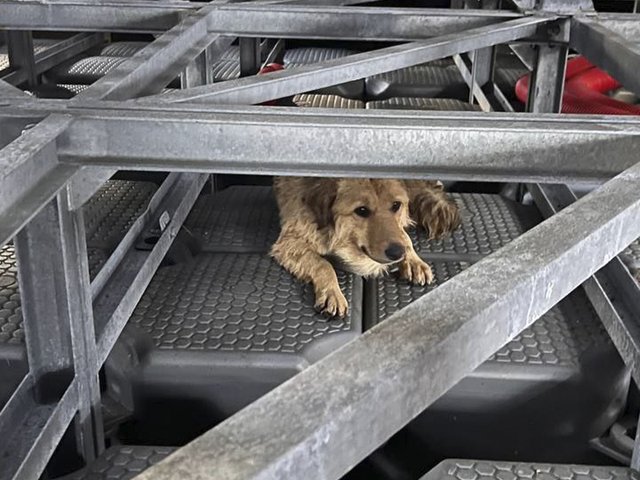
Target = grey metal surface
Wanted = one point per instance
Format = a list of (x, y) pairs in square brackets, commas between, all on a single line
[(237, 303), (121, 462), (489, 222), (353, 23), (419, 81), (68, 16), (486, 470), (208, 138), (326, 101), (237, 219), (417, 103)]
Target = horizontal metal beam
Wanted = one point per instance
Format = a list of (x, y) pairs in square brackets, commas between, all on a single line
[(258, 89), (480, 147), (347, 23), (312, 426), (97, 16), (617, 55)]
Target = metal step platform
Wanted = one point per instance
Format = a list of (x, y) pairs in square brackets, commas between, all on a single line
[(418, 81), (39, 46), (455, 469)]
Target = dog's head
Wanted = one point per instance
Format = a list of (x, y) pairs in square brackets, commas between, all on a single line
[(367, 220)]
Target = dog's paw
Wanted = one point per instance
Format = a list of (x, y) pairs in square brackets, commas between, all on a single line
[(415, 270), (443, 217), (332, 302)]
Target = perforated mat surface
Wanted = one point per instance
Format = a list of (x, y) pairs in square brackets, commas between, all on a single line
[(326, 101), (237, 302), (225, 70), (488, 223), (121, 463), (489, 470), (84, 71), (237, 219), (122, 49)]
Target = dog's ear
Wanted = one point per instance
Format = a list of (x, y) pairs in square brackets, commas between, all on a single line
[(319, 197)]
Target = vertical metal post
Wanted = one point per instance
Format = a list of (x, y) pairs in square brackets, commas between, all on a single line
[(249, 56), (483, 60), (547, 80), (58, 317), (21, 54)]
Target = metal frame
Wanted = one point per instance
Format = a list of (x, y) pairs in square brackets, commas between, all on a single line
[(56, 154)]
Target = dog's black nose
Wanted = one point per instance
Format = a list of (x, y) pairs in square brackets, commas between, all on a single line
[(394, 251)]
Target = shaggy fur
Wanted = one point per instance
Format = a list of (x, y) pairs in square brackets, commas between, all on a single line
[(361, 222)]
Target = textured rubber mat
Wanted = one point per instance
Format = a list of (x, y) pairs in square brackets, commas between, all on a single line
[(488, 223), (84, 71), (417, 103), (75, 89), (121, 463), (326, 101), (237, 303), (11, 329), (488, 470), (236, 219), (560, 337), (39, 45), (122, 49), (418, 81), (113, 209), (314, 55), (225, 70)]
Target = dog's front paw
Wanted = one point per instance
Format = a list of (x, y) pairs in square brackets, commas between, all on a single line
[(331, 301), (443, 217), (415, 270)]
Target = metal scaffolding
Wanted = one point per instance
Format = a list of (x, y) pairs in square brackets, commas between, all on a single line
[(57, 153)]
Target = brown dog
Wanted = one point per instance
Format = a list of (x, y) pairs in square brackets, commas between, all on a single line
[(362, 223)]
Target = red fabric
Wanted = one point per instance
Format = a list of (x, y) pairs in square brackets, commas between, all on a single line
[(584, 91)]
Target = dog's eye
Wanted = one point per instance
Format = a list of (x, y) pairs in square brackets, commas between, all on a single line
[(395, 206), (363, 212)]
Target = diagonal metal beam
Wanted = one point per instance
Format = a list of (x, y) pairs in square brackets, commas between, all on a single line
[(618, 55), (311, 426), (305, 78), (348, 23), (7, 90)]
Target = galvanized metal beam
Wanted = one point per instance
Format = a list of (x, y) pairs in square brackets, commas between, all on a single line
[(617, 55), (480, 147), (348, 23), (312, 426), (96, 16), (285, 83)]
